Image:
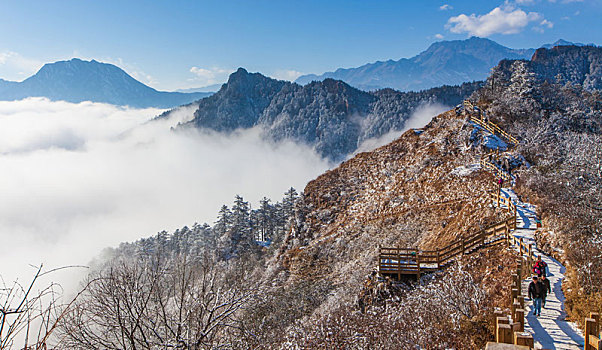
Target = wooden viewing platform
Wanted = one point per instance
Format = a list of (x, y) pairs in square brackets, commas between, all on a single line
[(395, 262)]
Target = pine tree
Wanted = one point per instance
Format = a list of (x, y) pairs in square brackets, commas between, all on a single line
[(265, 220), (224, 221), (288, 206)]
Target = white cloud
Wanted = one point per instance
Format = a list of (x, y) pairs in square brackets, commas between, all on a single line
[(210, 76), (445, 7), (14, 66), (546, 23), (79, 177), (421, 116), (439, 36), (501, 20), (525, 2), (543, 25), (144, 77), (289, 75)]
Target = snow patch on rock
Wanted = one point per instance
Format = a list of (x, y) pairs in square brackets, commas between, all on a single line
[(464, 170)]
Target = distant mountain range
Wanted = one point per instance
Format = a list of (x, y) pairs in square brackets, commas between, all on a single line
[(77, 80), (209, 88), (443, 63), (331, 116)]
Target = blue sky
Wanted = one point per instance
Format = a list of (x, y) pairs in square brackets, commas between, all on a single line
[(181, 44)]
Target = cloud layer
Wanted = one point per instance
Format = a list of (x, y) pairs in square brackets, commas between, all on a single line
[(500, 20), (210, 76), (421, 116), (79, 177)]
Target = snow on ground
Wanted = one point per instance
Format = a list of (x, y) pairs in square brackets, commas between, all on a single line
[(550, 330), (493, 142), (466, 170), (527, 217), (490, 140)]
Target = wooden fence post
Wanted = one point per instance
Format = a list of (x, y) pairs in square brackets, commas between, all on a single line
[(418, 265), (498, 195), (503, 332), (523, 339), (515, 306), (513, 295), (520, 318), (520, 246), (596, 316), (592, 332), (398, 264)]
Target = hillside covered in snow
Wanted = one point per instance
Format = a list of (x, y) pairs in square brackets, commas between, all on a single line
[(316, 285)]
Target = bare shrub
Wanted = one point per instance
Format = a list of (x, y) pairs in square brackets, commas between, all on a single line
[(28, 314), (444, 313), (155, 303)]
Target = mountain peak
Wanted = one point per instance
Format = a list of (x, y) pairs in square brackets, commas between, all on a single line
[(78, 80), (240, 75), (442, 63)]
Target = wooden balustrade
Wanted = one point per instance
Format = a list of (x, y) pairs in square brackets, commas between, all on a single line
[(476, 116), (411, 261), (495, 170), (591, 334), (511, 329)]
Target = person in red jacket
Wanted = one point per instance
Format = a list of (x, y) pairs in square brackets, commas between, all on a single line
[(540, 267)]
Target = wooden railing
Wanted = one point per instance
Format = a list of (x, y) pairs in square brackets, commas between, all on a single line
[(497, 172), (410, 261), (476, 116), (509, 329), (504, 202), (591, 334)]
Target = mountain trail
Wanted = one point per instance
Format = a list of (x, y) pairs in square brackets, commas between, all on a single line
[(550, 330)]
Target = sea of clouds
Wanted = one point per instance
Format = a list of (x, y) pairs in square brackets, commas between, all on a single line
[(76, 178)]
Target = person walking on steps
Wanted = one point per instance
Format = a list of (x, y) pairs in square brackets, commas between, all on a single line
[(546, 290), (540, 267), (536, 293)]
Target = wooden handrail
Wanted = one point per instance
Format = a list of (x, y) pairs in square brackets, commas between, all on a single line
[(397, 261), (591, 333), (494, 129), (495, 170), (469, 108)]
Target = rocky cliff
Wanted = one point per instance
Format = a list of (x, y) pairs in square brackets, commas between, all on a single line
[(330, 116)]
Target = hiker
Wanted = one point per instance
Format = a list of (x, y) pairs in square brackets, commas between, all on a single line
[(540, 267), (546, 289), (500, 182), (535, 293)]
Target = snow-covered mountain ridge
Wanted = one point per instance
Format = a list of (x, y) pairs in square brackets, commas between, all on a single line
[(443, 63), (331, 116)]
